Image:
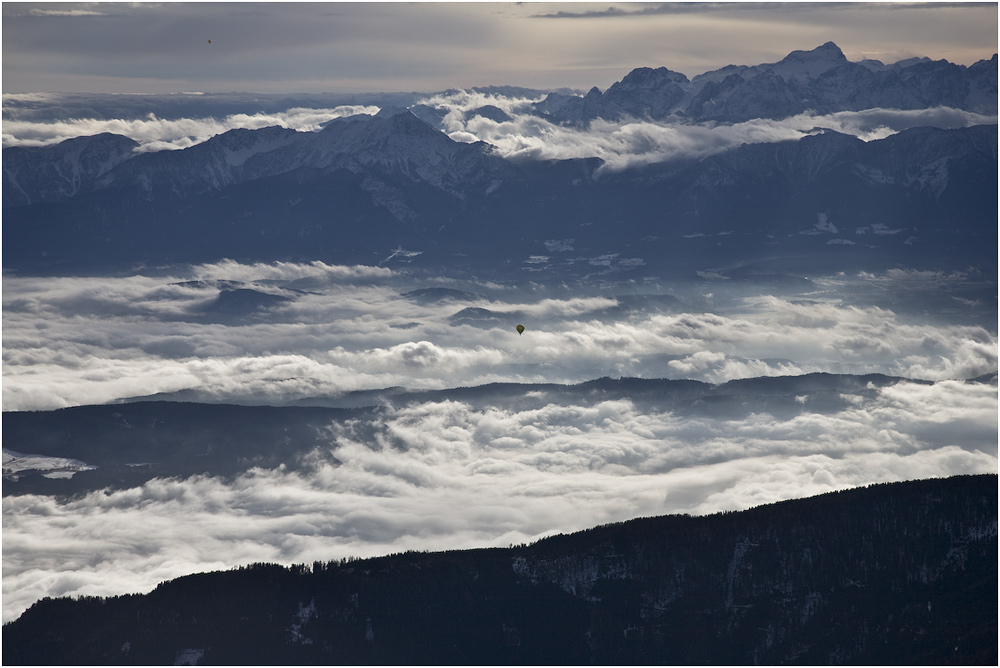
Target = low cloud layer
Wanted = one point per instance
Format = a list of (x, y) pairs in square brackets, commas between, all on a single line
[(323, 330), (444, 475), (632, 142), (158, 134)]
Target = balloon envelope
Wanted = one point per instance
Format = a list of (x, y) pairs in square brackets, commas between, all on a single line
[(520, 329)]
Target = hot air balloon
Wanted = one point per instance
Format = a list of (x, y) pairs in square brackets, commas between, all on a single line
[(520, 329)]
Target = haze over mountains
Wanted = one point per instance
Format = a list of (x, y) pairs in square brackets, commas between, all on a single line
[(290, 319)]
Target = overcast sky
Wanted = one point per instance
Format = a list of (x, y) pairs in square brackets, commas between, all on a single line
[(424, 46)]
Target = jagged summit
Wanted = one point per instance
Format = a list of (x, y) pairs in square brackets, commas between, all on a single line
[(390, 111), (648, 77), (807, 65), (820, 80), (909, 62), (648, 92), (239, 144), (824, 52)]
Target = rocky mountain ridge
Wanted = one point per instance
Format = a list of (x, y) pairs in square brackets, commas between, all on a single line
[(822, 81), (364, 187)]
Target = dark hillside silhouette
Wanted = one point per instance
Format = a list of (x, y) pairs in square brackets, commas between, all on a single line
[(895, 573)]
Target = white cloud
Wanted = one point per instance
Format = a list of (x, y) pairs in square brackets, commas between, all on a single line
[(157, 134), (288, 271), (63, 12), (632, 142), (443, 475), (80, 340)]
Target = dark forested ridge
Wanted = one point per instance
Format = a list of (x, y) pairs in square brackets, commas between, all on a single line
[(900, 573)]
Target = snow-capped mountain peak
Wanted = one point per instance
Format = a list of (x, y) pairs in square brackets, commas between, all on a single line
[(389, 111), (822, 80), (645, 78), (808, 65)]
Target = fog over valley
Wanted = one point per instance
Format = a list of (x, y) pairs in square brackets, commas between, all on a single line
[(427, 471), (286, 333), (260, 327)]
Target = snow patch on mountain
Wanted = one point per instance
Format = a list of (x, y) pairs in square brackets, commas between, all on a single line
[(240, 145), (881, 229), (16, 463), (822, 226), (933, 176), (189, 657), (302, 617)]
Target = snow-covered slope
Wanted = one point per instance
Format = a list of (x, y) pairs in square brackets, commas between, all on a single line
[(208, 166), (51, 173), (394, 142), (15, 464)]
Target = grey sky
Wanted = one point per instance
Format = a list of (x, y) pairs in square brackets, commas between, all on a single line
[(366, 47)]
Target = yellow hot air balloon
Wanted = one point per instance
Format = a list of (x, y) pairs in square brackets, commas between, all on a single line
[(520, 329)]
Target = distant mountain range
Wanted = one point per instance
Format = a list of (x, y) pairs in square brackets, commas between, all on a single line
[(365, 186), (821, 81), (898, 574)]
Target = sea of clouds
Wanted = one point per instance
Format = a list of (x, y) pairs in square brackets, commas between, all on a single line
[(82, 340), (445, 474)]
